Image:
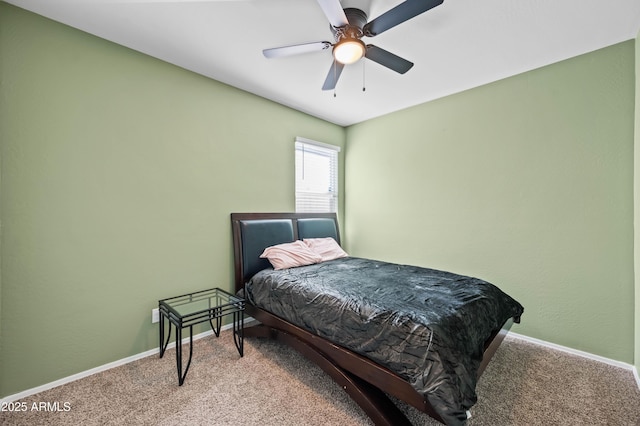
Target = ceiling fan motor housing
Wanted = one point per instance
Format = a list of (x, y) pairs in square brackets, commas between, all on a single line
[(357, 20)]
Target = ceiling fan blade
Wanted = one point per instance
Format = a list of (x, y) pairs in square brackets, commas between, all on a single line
[(296, 49), (333, 10), (333, 76), (399, 14), (388, 59)]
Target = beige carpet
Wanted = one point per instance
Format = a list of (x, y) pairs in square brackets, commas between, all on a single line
[(525, 384)]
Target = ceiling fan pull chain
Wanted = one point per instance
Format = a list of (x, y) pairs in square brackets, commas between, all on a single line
[(335, 72), (363, 76)]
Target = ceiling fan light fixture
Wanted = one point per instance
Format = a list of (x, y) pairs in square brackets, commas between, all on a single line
[(349, 50)]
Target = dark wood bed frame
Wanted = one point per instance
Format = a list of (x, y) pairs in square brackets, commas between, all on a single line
[(366, 382)]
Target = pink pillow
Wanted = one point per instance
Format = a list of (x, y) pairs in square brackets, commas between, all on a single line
[(326, 248), (290, 255)]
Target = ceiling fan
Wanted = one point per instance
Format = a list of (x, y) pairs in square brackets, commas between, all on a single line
[(348, 27)]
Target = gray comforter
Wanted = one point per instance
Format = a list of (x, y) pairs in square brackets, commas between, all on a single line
[(426, 325)]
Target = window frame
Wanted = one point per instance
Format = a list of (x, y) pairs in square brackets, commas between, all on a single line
[(305, 201)]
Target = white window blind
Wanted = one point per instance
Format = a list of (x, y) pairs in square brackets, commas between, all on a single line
[(316, 176)]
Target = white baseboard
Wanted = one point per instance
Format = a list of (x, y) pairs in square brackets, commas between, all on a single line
[(583, 354), (101, 368), (249, 320)]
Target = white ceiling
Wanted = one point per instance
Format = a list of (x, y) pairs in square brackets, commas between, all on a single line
[(456, 46)]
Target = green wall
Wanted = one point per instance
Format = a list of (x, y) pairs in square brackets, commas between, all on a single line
[(119, 172), (526, 182)]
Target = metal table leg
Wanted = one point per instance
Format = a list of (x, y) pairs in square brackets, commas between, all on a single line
[(181, 374), (218, 316), (238, 331), (164, 343)]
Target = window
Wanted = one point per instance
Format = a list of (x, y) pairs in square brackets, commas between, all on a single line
[(316, 176)]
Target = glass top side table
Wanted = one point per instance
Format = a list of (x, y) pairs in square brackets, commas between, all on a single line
[(195, 308)]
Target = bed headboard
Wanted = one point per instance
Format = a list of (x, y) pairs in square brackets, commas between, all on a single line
[(253, 232)]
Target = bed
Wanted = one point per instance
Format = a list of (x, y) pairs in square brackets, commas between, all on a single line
[(423, 348)]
